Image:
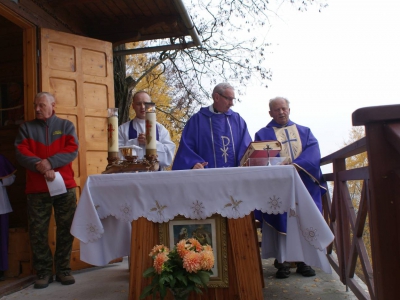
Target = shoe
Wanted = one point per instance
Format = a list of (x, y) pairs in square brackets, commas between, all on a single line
[(65, 278), (283, 273), (43, 281), (305, 270)]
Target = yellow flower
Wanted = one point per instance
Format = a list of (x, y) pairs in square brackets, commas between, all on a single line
[(192, 262), (159, 261), (207, 260)]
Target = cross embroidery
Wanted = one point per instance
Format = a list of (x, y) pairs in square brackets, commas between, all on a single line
[(110, 129), (289, 143), (148, 126)]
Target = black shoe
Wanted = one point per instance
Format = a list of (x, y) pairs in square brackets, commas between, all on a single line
[(305, 270), (283, 273)]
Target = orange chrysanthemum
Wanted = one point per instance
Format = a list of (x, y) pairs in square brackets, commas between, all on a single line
[(207, 260), (192, 262), (158, 249), (196, 244), (159, 261), (181, 248), (207, 248)]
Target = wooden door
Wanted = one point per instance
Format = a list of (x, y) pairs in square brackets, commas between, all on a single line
[(79, 72)]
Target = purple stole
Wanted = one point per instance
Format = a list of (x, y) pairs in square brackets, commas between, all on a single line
[(133, 133)]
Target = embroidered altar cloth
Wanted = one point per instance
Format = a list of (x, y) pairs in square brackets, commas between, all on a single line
[(109, 202)]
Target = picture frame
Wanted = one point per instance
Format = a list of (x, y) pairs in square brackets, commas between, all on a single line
[(211, 231)]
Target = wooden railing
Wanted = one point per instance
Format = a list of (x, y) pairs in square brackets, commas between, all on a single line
[(379, 203)]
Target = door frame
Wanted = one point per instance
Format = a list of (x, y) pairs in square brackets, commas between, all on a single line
[(30, 82)]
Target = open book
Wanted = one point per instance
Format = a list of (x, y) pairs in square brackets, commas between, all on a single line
[(261, 149)]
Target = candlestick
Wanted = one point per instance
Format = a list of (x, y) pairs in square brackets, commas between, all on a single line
[(151, 144)]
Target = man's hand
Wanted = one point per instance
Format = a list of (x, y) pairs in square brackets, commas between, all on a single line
[(142, 139), (200, 165), (50, 175), (43, 166)]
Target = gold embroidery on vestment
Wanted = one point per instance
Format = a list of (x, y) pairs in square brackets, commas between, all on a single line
[(290, 140)]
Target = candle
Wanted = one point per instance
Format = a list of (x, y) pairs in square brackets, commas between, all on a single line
[(112, 129), (151, 148)]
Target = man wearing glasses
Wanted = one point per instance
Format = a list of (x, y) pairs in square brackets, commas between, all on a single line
[(214, 137)]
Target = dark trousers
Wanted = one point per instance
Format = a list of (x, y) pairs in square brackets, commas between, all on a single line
[(39, 212)]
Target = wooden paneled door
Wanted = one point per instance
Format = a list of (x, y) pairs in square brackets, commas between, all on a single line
[(79, 72)]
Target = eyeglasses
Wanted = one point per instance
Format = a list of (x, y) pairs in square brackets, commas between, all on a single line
[(227, 98)]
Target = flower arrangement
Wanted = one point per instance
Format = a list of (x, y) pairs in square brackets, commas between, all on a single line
[(184, 269)]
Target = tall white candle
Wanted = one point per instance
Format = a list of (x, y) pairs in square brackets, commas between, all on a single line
[(112, 130), (112, 134), (151, 130)]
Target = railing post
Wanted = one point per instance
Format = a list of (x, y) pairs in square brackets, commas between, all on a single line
[(342, 225), (380, 123)]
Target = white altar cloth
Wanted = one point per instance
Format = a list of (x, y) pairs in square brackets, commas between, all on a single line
[(109, 202)]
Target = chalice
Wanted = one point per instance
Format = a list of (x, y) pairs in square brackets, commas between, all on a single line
[(129, 153)]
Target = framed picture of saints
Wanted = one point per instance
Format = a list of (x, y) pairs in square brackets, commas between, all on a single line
[(211, 231)]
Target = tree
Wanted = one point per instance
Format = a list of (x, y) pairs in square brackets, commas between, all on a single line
[(154, 81), (353, 162), (233, 49)]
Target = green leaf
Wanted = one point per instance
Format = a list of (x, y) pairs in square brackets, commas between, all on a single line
[(197, 290), (204, 277), (195, 279), (149, 272), (183, 279), (163, 291), (146, 292), (172, 281)]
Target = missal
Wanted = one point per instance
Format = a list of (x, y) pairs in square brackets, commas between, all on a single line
[(262, 149)]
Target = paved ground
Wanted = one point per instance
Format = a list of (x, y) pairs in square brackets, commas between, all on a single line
[(111, 282), (322, 287)]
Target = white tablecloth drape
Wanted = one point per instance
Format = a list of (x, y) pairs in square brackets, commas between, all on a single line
[(109, 202)]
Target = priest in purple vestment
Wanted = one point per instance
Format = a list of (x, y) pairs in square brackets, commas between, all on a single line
[(300, 145), (214, 137)]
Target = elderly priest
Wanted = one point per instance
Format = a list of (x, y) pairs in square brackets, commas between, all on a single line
[(214, 137), (299, 144)]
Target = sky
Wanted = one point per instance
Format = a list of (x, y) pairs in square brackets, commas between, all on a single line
[(328, 65)]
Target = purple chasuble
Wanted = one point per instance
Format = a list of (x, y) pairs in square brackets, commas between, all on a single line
[(6, 167), (309, 160), (219, 139)]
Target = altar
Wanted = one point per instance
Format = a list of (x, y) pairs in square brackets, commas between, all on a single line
[(119, 215)]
